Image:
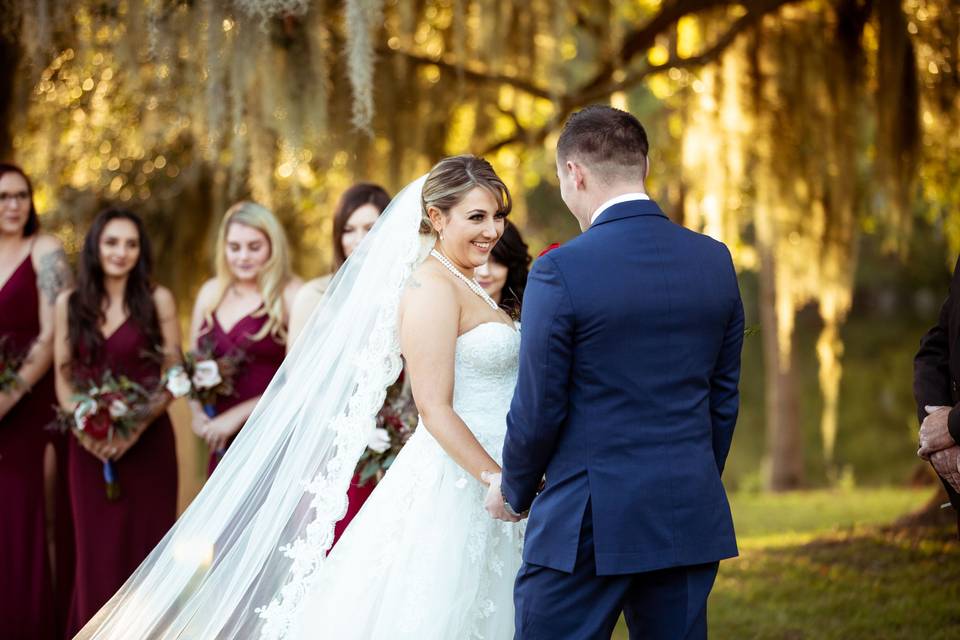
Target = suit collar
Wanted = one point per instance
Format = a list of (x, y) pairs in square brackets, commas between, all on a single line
[(629, 209)]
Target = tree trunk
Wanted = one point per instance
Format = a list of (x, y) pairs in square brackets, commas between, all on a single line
[(784, 457), (10, 54)]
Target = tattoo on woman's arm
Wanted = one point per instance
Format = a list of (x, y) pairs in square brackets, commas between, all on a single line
[(54, 275)]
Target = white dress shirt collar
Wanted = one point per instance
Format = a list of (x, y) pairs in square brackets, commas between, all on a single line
[(626, 197)]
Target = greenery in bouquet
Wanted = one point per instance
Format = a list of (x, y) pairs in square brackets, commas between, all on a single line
[(107, 408), (10, 363), (396, 422)]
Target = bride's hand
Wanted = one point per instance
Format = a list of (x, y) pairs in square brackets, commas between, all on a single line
[(494, 501)]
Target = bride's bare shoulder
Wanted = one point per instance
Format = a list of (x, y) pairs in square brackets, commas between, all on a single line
[(429, 278), (429, 287)]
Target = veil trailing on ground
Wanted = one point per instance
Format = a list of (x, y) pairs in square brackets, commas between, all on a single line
[(239, 561)]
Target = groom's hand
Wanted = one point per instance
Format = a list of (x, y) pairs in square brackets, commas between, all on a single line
[(947, 465), (934, 434), (494, 501)]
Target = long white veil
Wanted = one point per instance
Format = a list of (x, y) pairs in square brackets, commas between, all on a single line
[(240, 559)]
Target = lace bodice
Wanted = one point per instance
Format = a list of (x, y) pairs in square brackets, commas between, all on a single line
[(485, 375)]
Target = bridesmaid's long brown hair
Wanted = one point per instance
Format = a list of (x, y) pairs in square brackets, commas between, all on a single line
[(85, 306)]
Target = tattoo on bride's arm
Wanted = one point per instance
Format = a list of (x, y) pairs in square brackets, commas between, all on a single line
[(413, 283), (54, 274)]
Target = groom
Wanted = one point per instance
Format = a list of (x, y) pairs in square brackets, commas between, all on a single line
[(626, 401)]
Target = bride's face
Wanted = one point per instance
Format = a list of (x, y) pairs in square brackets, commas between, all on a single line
[(470, 228)]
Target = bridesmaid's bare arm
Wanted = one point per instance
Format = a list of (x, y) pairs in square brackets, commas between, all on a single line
[(304, 303), (53, 276), (170, 332), (61, 353)]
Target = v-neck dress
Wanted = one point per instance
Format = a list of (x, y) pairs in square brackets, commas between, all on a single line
[(27, 603), (114, 537), (261, 359)]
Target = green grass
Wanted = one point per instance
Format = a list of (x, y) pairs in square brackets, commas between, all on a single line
[(823, 565)]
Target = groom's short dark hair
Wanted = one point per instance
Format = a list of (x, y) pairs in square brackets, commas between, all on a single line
[(606, 139)]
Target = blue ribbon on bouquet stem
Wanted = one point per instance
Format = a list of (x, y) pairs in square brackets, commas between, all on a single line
[(110, 479)]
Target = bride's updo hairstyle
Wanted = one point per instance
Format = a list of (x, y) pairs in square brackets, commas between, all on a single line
[(452, 179)]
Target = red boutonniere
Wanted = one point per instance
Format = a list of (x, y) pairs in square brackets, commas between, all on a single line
[(555, 245)]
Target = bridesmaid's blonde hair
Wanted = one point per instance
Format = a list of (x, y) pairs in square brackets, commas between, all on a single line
[(273, 277)]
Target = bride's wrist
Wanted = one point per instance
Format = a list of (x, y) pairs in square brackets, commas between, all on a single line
[(486, 476)]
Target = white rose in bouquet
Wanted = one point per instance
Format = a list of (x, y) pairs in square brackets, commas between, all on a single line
[(118, 409), (178, 382), (379, 440), (84, 409), (206, 374)]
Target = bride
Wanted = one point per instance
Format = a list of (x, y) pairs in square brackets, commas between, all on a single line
[(422, 559)]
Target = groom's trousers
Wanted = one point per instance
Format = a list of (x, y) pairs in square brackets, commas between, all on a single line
[(668, 604)]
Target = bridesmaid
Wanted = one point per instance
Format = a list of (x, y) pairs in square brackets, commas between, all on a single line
[(355, 215), (243, 310), (117, 320), (504, 277), (33, 271)]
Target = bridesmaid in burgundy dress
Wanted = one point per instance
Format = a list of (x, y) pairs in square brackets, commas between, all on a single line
[(33, 271), (117, 320), (243, 312), (355, 215)]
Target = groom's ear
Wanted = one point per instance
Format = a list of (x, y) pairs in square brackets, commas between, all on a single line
[(577, 172)]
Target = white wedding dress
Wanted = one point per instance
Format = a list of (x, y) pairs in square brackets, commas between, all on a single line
[(423, 559), (247, 560)]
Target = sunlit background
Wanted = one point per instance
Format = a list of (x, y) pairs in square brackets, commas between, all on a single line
[(818, 139)]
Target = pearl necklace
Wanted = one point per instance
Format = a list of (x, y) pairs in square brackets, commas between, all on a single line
[(473, 284)]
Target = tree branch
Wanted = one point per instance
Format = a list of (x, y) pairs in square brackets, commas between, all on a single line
[(602, 84), (470, 72), (710, 54)]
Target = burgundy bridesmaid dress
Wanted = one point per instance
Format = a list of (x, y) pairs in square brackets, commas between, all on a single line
[(27, 603), (356, 496), (113, 537), (261, 359)]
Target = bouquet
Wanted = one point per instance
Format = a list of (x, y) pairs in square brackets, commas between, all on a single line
[(396, 422), (10, 363), (203, 377), (105, 410)]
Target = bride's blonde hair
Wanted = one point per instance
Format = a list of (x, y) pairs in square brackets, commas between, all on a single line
[(274, 275), (453, 178)]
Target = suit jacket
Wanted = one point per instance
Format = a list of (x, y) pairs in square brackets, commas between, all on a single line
[(936, 368), (627, 396)]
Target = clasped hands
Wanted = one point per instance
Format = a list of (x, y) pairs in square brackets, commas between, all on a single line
[(216, 431), (494, 502), (112, 448), (938, 447)]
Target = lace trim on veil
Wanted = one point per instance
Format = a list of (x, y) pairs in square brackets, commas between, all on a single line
[(379, 363)]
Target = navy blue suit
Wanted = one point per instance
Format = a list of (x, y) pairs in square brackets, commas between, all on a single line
[(626, 402)]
